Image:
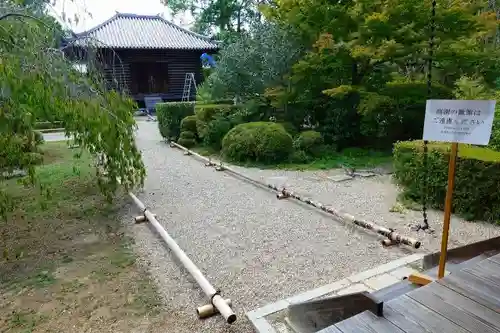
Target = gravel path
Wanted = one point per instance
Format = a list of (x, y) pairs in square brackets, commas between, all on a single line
[(253, 247), (372, 199)]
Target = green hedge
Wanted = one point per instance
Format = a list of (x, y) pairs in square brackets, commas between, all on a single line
[(495, 134), (170, 115), (476, 195), (265, 142)]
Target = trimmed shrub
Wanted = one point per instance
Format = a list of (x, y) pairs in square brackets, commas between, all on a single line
[(476, 195), (187, 139), (395, 112), (290, 128), (215, 132), (310, 142), (495, 134), (265, 142), (188, 124), (169, 116), (188, 143), (205, 113), (187, 135), (299, 156)]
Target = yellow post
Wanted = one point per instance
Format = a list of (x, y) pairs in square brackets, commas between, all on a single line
[(447, 208)]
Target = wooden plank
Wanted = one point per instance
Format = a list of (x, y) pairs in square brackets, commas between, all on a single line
[(393, 291), (486, 270), (457, 308), (367, 322), (473, 287), (314, 315), (413, 317), (463, 252), (495, 258)]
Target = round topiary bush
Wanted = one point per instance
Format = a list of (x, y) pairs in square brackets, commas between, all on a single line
[(188, 124), (187, 139), (188, 143), (265, 142), (310, 142), (187, 135), (290, 128), (215, 132)]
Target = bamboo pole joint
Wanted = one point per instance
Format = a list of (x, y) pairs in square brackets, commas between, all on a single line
[(216, 299)]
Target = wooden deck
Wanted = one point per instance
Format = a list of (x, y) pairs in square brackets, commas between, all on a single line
[(466, 301)]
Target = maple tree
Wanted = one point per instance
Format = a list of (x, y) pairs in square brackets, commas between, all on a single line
[(38, 83)]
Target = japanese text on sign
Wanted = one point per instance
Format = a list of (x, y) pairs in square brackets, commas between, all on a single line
[(459, 121)]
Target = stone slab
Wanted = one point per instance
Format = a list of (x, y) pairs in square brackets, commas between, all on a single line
[(381, 281)]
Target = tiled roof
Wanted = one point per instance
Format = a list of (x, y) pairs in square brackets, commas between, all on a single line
[(144, 32)]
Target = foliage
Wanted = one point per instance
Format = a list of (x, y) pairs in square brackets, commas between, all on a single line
[(205, 113), (187, 135), (290, 128), (189, 124), (370, 60), (215, 131), (309, 142), (299, 157), (263, 142), (255, 61), (495, 135), (170, 115), (476, 193), (395, 112), (227, 18), (37, 82), (475, 88), (48, 125), (187, 139), (36, 260)]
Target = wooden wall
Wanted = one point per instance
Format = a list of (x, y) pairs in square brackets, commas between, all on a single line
[(179, 63), (117, 64)]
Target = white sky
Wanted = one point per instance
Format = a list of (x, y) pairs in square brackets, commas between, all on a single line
[(101, 10)]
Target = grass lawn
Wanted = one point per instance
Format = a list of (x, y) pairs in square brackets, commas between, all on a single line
[(66, 265), (354, 158)]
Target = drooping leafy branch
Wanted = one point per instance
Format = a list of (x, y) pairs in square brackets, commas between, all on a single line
[(37, 82)]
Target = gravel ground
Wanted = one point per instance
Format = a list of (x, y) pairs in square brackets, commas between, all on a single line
[(255, 248), (372, 199)]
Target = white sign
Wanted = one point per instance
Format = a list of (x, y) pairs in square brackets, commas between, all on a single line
[(459, 121)]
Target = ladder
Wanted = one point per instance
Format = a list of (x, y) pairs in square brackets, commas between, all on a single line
[(189, 81)]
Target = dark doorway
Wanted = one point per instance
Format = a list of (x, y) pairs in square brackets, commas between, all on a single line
[(149, 77)]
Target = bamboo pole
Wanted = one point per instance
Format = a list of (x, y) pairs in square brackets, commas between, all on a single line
[(393, 237), (215, 299), (208, 310), (448, 204)]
